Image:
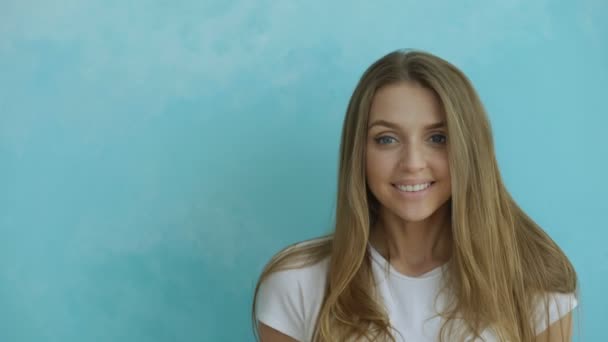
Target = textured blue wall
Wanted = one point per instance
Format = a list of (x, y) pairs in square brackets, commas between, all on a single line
[(155, 154)]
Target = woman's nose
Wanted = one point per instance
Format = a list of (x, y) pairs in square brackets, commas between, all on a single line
[(412, 158)]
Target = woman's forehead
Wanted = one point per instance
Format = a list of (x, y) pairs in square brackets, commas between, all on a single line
[(405, 105)]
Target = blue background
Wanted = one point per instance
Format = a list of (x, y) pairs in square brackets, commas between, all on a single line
[(155, 154)]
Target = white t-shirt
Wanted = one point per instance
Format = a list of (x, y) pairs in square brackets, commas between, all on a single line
[(289, 301)]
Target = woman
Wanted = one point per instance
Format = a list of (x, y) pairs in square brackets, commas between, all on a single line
[(428, 244)]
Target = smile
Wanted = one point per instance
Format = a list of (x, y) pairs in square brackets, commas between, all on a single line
[(413, 188)]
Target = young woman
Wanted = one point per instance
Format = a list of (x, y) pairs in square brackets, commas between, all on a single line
[(428, 244)]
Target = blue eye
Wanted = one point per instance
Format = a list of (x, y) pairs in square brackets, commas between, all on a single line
[(382, 139), (439, 138)]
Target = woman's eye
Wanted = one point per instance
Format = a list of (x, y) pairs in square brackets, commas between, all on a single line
[(439, 138), (383, 140)]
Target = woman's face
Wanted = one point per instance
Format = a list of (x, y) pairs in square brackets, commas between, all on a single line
[(406, 158)]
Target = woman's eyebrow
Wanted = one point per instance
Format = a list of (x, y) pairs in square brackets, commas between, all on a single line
[(389, 124)]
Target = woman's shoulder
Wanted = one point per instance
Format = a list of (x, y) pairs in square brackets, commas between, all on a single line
[(301, 276), (303, 270), (289, 299), (552, 306)]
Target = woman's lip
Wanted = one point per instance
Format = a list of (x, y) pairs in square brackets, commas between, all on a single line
[(414, 193), (413, 183)]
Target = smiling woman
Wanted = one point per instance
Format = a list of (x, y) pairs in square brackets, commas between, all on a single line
[(428, 244), (407, 167)]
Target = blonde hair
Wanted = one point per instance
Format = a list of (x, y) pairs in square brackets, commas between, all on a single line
[(501, 259)]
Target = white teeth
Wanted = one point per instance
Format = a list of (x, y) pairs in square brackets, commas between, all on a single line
[(413, 188)]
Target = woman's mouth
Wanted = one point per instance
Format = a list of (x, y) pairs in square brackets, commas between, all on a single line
[(413, 188)]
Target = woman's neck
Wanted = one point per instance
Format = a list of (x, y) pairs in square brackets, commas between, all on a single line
[(414, 248)]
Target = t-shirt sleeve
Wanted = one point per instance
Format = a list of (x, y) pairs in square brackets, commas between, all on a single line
[(280, 304), (557, 306)]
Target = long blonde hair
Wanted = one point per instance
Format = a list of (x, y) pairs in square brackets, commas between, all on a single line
[(501, 259)]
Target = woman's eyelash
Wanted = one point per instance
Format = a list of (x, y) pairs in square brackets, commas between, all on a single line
[(443, 137), (380, 139)]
